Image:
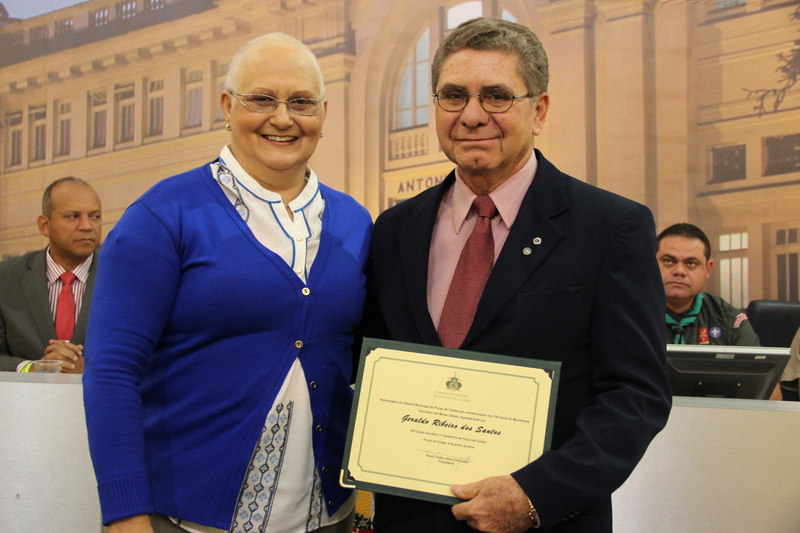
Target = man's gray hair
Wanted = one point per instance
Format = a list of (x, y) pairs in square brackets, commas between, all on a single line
[(498, 35), (47, 201), (234, 76)]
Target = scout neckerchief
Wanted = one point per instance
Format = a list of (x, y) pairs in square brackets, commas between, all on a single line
[(678, 328)]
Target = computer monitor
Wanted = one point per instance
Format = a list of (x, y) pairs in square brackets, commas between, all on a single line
[(747, 372)]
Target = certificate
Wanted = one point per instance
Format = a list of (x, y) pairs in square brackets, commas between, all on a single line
[(426, 417)]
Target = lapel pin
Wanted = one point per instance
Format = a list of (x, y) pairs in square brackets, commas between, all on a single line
[(526, 251), (537, 241)]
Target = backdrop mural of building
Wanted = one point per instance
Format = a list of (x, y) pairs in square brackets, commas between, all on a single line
[(666, 102)]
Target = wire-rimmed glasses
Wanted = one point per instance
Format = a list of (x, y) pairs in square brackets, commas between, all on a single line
[(493, 99), (263, 103)]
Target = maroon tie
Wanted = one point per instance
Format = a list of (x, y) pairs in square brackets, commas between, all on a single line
[(472, 272), (65, 308)]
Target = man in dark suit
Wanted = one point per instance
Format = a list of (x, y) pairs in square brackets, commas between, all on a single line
[(574, 280), (32, 287)]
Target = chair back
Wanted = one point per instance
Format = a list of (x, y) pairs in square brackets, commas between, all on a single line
[(774, 322)]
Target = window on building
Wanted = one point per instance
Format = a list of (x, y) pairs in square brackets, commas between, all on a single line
[(507, 15), (126, 10), (98, 17), (16, 148), (725, 4), (414, 94), (728, 163), (787, 277), (786, 236), (154, 5), (64, 128), (38, 33), (37, 119), (787, 253), (124, 102), (194, 76), (193, 106), (734, 268), (98, 117), (64, 26), (782, 154), (14, 127), (155, 107), (462, 13)]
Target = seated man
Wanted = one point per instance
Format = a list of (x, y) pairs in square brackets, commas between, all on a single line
[(45, 295), (693, 316)]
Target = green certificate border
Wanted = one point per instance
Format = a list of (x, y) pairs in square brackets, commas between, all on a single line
[(355, 450)]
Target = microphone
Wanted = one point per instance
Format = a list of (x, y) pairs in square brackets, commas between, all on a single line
[(678, 330)]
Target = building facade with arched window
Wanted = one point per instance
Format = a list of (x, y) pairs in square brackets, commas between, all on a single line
[(647, 100)]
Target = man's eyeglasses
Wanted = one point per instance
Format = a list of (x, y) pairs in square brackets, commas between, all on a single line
[(262, 103), (493, 99)]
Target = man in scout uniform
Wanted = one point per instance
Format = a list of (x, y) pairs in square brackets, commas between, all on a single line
[(693, 316)]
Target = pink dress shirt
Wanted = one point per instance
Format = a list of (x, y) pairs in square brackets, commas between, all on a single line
[(454, 224)]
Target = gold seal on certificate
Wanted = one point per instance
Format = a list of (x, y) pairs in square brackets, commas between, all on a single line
[(426, 417)]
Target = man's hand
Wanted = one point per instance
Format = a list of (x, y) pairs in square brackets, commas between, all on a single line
[(496, 505), (134, 524), (70, 354)]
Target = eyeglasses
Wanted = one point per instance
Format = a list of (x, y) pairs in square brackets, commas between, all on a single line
[(262, 103), (493, 99)]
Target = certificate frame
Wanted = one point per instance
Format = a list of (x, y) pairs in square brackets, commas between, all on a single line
[(416, 421)]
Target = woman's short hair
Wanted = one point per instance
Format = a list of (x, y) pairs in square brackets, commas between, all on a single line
[(498, 35), (234, 76)]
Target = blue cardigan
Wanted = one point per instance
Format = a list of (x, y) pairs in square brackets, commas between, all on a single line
[(194, 325)]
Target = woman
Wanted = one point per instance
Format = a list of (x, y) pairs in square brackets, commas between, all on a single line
[(217, 390)]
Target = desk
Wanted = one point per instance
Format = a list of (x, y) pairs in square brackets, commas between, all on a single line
[(46, 476), (720, 465)]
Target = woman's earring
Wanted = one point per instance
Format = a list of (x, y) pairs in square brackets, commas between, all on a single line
[(321, 134), (228, 127)]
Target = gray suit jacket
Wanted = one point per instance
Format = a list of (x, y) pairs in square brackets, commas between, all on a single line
[(26, 324)]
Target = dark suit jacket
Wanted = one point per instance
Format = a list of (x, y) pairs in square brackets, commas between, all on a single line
[(26, 323), (589, 295)]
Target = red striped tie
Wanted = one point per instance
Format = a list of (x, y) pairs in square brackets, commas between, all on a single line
[(65, 308), (472, 271)]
